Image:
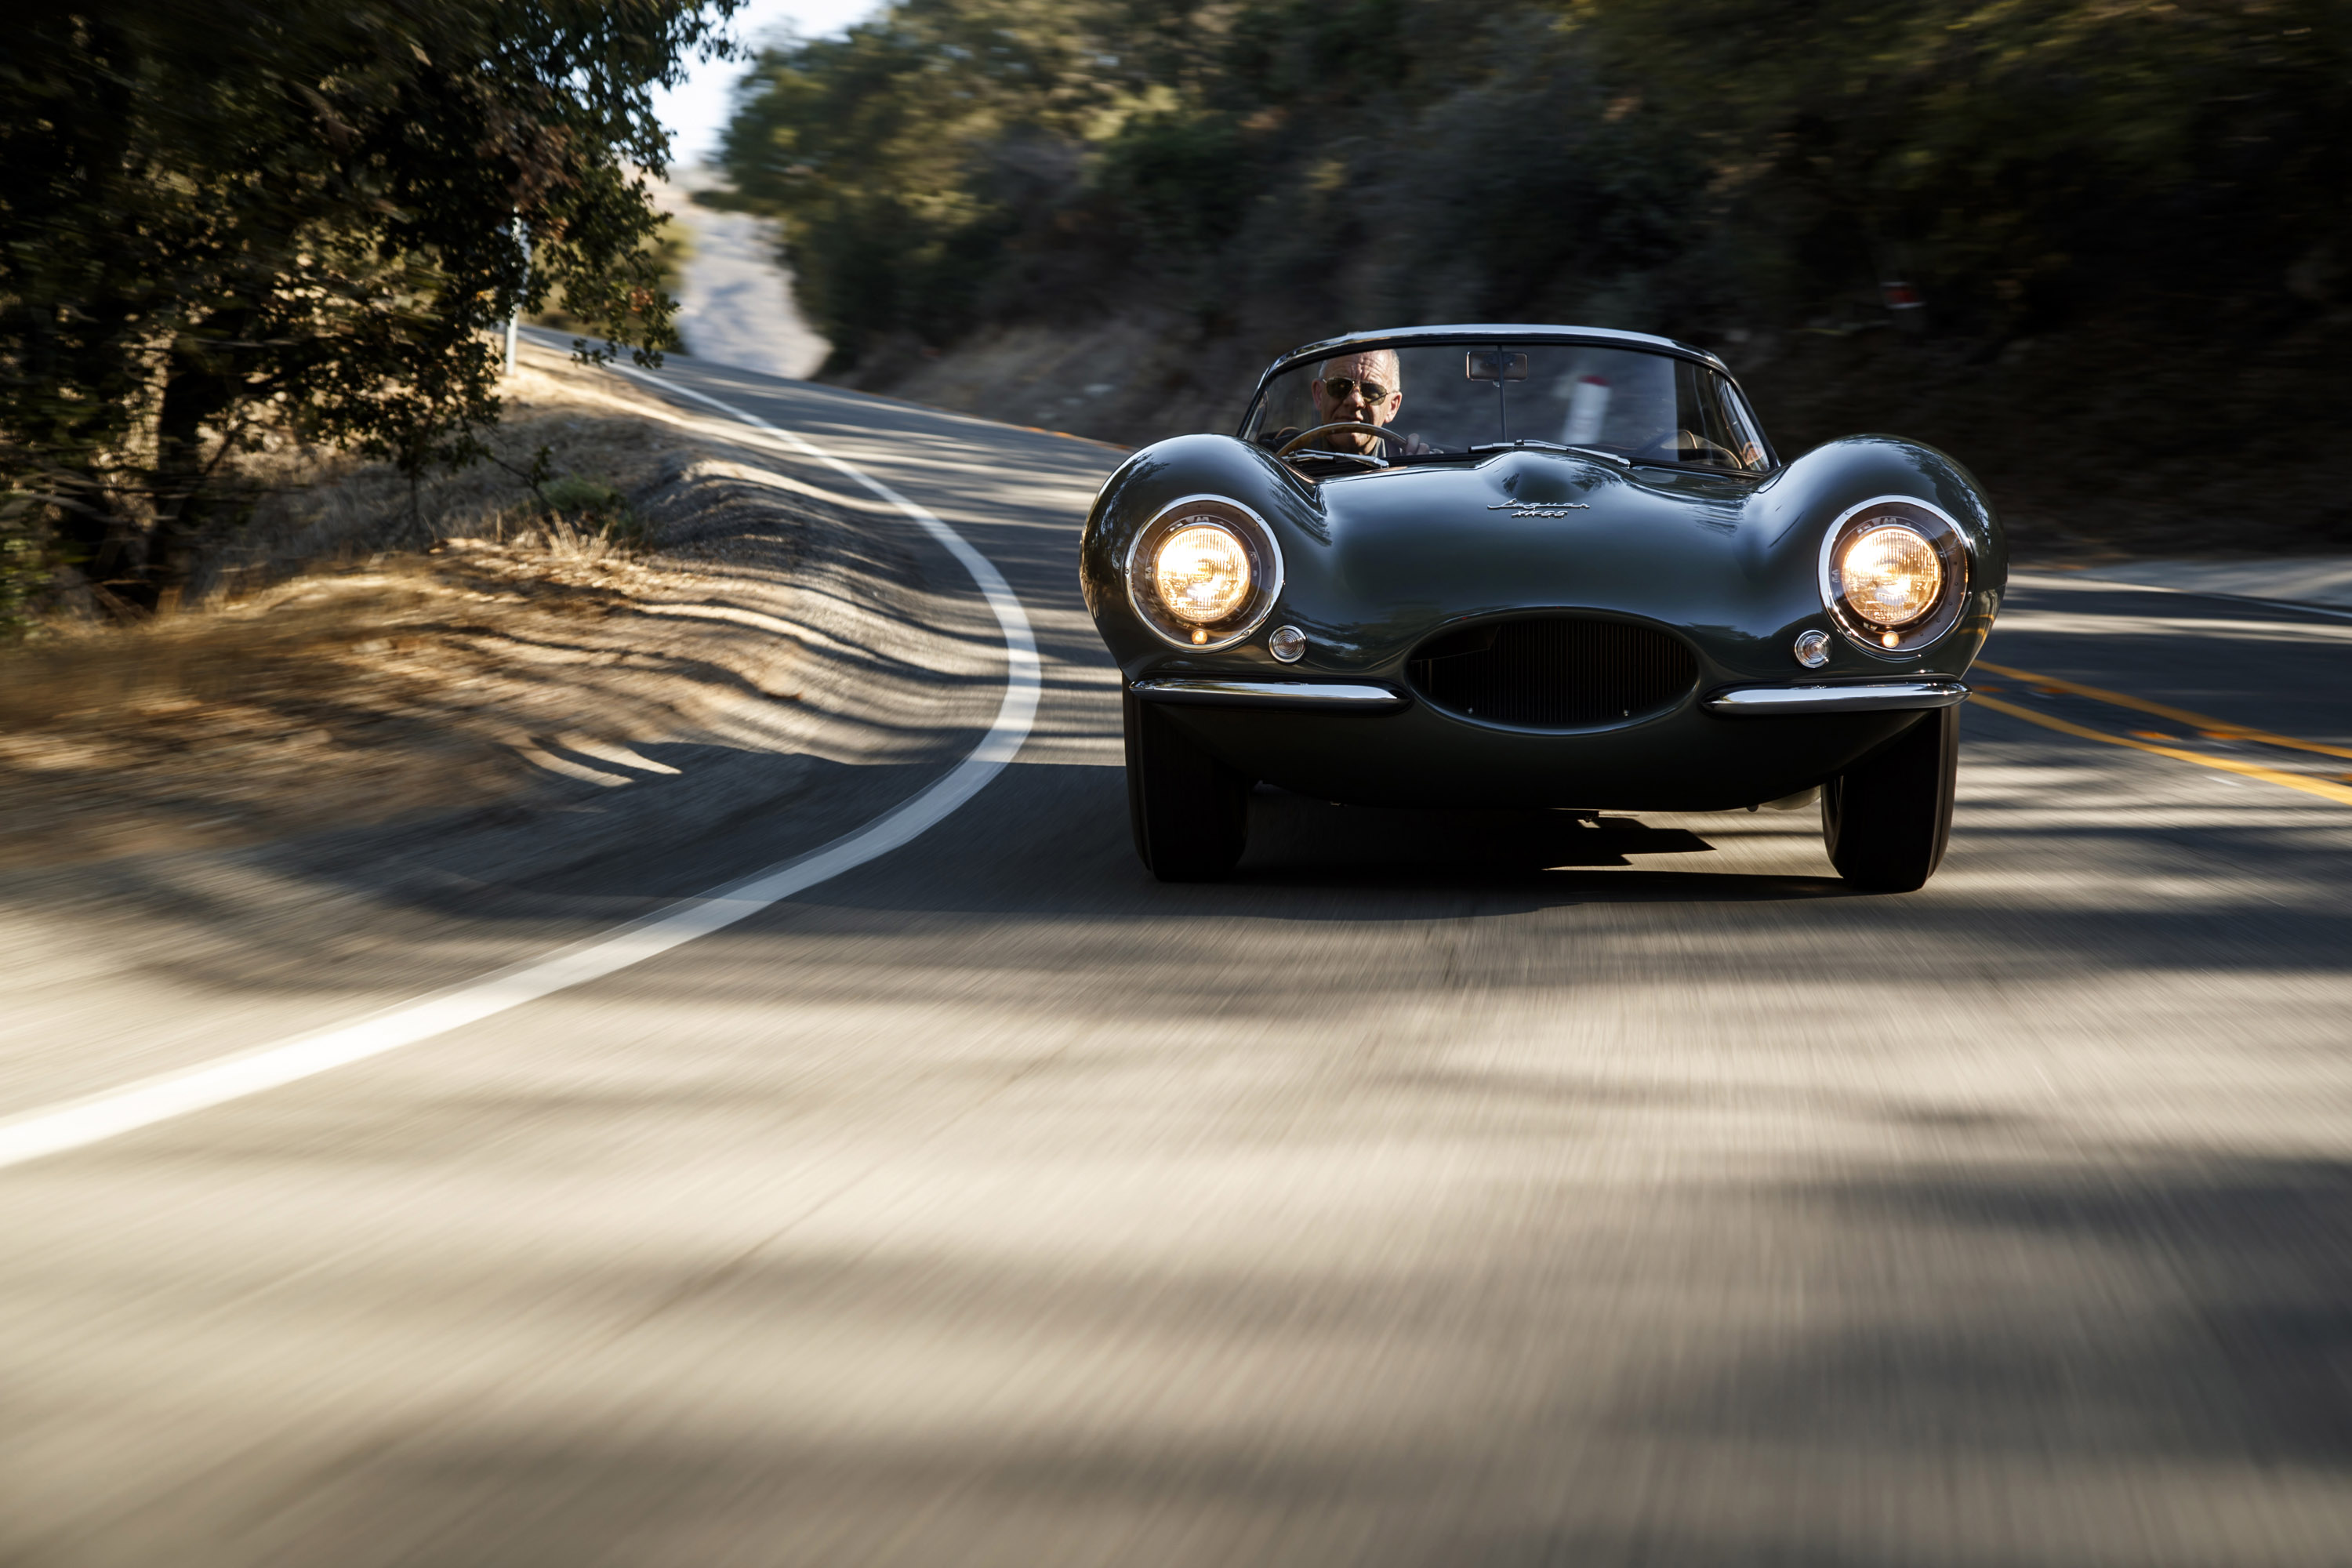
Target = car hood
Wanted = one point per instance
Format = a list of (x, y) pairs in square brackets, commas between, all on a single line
[(1526, 528), (1375, 562)]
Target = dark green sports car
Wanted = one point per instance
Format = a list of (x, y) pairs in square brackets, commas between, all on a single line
[(1531, 566)]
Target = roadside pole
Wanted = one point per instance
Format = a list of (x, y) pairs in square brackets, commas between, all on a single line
[(514, 317)]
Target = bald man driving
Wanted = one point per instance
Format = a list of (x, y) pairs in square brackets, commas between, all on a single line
[(1357, 389)]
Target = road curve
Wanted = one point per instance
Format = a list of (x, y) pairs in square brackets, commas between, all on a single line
[(1442, 1190)]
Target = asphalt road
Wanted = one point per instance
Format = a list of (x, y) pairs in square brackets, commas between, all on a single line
[(1414, 1199)]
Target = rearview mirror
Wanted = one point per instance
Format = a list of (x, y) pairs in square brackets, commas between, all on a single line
[(1494, 364)]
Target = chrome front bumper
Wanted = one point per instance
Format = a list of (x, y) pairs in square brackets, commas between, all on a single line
[(1354, 697), (1733, 702), (1879, 697)]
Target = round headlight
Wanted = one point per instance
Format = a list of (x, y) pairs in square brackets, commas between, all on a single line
[(1890, 575), (1201, 573)]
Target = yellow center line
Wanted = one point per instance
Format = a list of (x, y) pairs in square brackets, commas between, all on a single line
[(2320, 787), (2219, 728)]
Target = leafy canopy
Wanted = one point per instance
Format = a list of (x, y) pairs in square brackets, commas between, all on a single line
[(1659, 162), (220, 215)]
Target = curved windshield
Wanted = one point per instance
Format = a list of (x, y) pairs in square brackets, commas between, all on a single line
[(1421, 401)]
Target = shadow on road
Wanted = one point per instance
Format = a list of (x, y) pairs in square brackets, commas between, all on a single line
[(2052, 1364)]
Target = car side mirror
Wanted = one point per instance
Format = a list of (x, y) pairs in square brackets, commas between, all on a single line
[(1495, 364)]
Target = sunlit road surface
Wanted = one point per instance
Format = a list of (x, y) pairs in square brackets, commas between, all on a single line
[(1414, 1199)]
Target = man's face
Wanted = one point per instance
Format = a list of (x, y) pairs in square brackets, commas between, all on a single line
[(1357, 374)]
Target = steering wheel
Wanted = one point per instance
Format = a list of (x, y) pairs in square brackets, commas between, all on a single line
[(1384, 432), (1691, 441), (1670, 450)]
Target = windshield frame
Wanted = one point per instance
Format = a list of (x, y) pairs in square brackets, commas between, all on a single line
[(1503, 334)]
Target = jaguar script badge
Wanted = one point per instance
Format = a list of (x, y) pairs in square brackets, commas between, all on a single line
[(1540, 508)]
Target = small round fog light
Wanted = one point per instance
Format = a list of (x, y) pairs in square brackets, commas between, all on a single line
[(1287, 643), (1812, 649)]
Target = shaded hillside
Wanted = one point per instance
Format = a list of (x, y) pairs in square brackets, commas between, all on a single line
[(2128, 221)]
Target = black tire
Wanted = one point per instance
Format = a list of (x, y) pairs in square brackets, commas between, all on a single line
[(1190, 812), (1887, 818)]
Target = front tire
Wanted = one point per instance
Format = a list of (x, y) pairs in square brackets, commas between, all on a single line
[(1887, 818), (1190, 812)]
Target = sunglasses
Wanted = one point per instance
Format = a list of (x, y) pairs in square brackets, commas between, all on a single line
[(1337, 387)]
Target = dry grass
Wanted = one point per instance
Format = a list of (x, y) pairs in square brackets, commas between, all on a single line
[(324, 509), (366, 652)]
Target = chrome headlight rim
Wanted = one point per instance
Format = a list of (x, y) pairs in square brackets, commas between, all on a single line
[(1265, 573), (1944, 535)]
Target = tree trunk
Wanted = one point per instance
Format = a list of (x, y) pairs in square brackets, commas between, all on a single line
[(199, 385)]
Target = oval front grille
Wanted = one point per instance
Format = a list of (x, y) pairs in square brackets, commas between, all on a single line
[(1554, 672)]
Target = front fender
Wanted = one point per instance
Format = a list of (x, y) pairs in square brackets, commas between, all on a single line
[(1791, 511), (1156, 477)]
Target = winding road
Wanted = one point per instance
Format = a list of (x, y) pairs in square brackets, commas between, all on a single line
[(1442, 1190)]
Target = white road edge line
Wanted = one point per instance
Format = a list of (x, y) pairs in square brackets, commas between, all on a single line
[(78, 1123)]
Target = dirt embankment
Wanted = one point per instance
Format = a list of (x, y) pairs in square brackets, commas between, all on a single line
[(2190, 433), (699, 602)]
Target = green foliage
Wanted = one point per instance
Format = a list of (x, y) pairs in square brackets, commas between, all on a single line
[(669, 246), (909, 152), (306, 214), (2026, 162), (1177, 183), (1675, 165), (577, 495), (21, 562), (594, 507)]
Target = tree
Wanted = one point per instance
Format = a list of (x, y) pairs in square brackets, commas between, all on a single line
[(219, 216), (952, 164)]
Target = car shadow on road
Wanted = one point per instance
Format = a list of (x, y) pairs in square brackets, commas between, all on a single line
[(1291, 831), (1296, 841), (1315, 859)]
